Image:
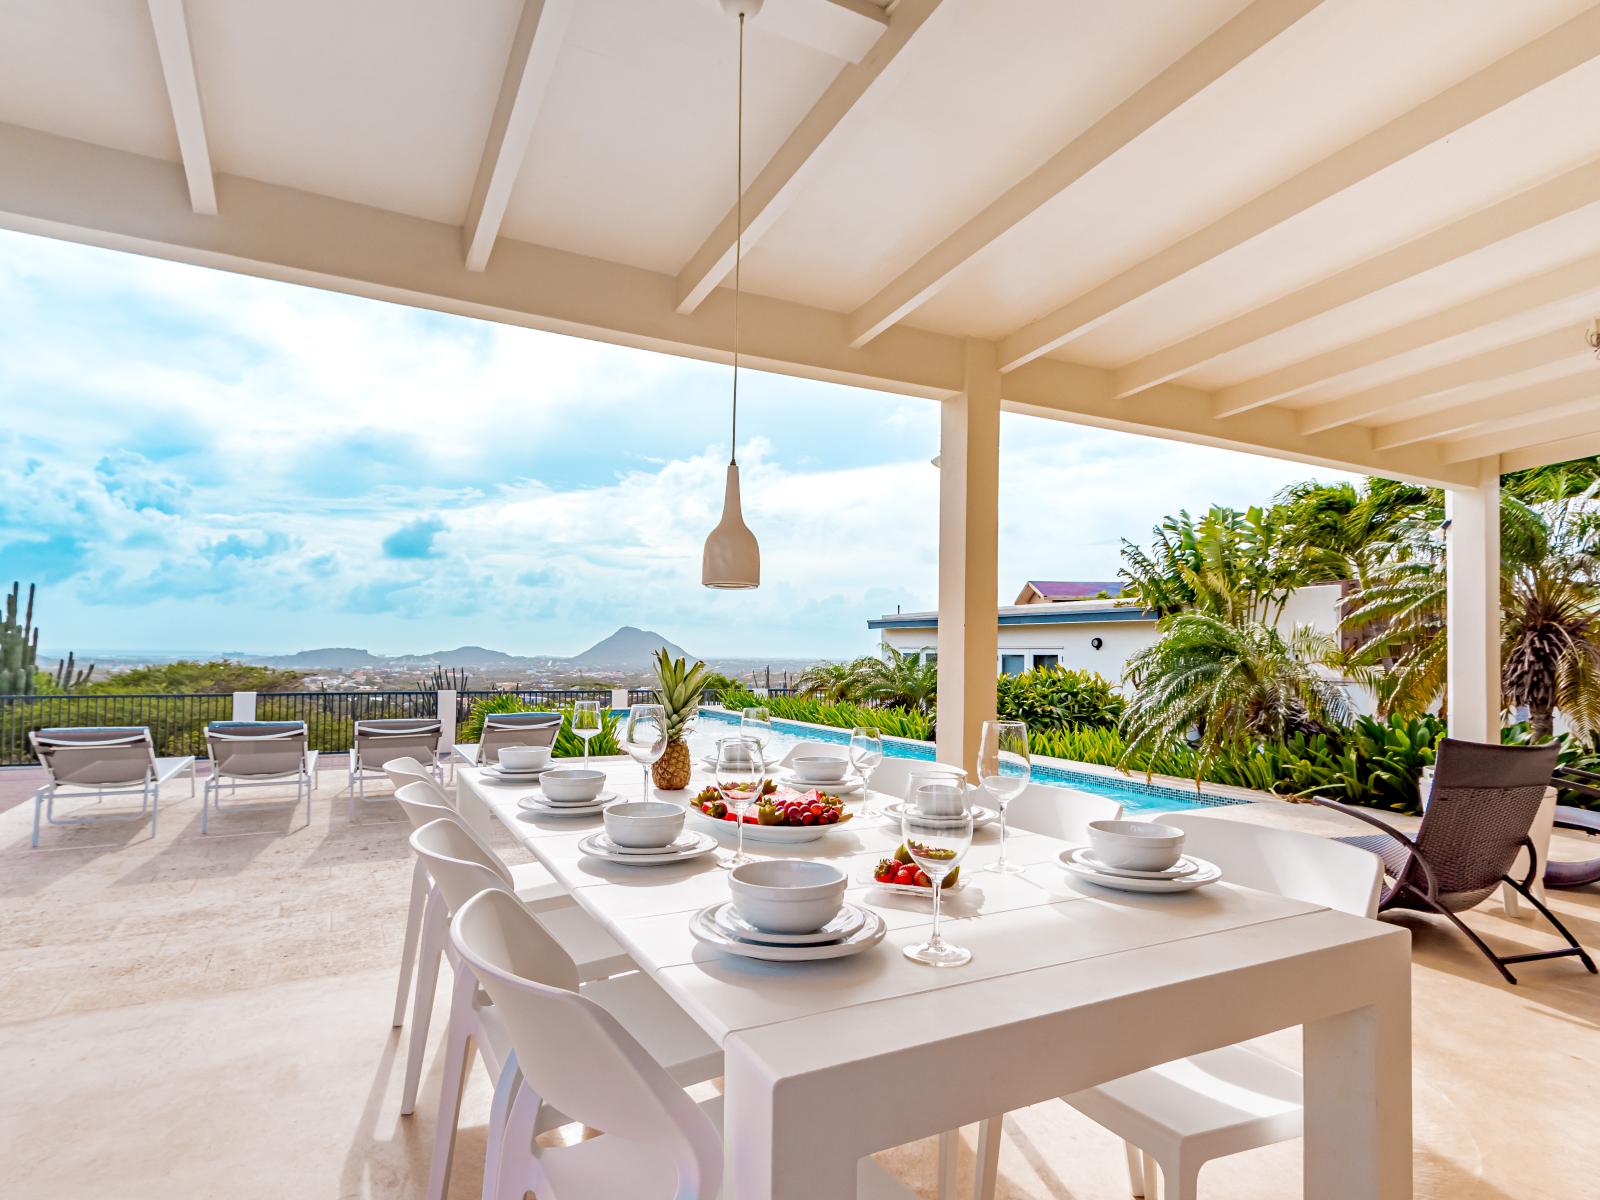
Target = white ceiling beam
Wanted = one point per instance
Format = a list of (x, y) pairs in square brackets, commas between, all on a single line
[(1529, 433), (1082, 394), (1578, 278), (1538, 63), (532, 63), (183, 93), (1490, 414), (775, 187), (1174, 87), (1527, 355), (1583, 445), (1526, 210)]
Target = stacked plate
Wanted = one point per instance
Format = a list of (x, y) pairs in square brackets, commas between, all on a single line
[(687, 845), (542, 804), (981, 816), (1184, 875), (494, 771), (853, 931), (834, 787)]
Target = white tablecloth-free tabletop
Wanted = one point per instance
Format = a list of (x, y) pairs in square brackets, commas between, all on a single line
[(1069, 985)]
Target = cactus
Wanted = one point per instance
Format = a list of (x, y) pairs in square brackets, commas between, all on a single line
[(68, 678), (19, 646), (453, 680)]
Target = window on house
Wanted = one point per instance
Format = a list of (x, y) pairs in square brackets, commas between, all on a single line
[(1011, 664), (1046, 660)]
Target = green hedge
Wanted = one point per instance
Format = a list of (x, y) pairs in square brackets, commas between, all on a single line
[(895, 722), (1051, 698), (567, 745)]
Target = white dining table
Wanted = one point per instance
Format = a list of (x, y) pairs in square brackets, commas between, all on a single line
[(1069, 985)]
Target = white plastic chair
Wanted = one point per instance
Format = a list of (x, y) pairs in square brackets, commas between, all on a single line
[(423, 800), (893, 775), (672, 1039), (815, 750), (1177, 1117), (1056, 812)]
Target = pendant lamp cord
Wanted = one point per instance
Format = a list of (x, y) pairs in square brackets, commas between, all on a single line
[(738, 250)]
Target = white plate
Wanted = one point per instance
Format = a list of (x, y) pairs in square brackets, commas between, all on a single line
[(538, 804), (849, 920), (678, 844), (706, 930), (782, 834), (911, 889), (599, 801), (1206, 873), (981, 816), (496, 775), (1085, 856), (839, 788), (596, 845)]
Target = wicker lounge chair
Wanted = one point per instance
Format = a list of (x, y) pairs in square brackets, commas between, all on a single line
[(101, 761), (1483, 804)]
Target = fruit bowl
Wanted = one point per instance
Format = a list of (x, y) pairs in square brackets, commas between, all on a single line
[(783, 815)]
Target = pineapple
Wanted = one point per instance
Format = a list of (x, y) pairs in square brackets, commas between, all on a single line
[(678, 689)]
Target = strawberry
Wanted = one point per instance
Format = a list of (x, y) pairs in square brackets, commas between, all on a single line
[(885, 871)]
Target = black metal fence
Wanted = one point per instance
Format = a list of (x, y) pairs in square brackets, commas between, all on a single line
[(177, 722)]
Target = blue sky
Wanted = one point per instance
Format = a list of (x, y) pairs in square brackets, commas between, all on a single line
[(193, 461)]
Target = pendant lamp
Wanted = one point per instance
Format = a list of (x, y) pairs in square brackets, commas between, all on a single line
[(732, 559)]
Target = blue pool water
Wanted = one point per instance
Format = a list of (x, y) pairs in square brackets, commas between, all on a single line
[(1133, 796)]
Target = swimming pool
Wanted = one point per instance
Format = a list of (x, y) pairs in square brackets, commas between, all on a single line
[(1133, 796)]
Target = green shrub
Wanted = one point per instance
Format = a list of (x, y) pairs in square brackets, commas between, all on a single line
[(895, 722), (567, 744), (1053, 698)]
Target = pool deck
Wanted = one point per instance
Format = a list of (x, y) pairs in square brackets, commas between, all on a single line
[(192, 1016)]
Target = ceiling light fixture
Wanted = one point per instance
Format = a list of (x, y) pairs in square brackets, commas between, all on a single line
[(1593, 338), (732, 558)]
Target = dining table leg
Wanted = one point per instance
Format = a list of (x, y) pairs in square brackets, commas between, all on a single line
[(783, 1138), (1358, 1091)]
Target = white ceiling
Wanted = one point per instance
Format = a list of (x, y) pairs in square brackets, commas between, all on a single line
[(627, 163)]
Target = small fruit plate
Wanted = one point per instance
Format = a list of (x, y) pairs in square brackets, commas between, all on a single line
[(891, 875)]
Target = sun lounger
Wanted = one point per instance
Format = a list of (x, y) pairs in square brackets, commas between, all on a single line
[(101, 761)]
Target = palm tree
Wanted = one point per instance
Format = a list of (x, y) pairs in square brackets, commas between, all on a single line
[(1224, 680), (834, 682), (1550, 649), (908, 680)]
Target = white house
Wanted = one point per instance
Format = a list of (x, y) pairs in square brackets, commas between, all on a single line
[(1081, 625)]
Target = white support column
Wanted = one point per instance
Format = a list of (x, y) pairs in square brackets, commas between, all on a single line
[(447, 721), (244, 706), (969, 530), (1472, 583)]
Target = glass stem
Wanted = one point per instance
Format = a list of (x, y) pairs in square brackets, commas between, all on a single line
[(644, 791), (739, 853), (938, 892), (1002, 863)]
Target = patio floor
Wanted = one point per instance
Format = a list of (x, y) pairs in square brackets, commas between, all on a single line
[(205, 1017)]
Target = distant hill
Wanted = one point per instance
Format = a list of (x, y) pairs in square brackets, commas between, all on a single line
[(627, 647), (466, 656), (342, 657)]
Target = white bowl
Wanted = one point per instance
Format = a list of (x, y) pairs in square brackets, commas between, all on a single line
[(1136, 845), (572, 783), (819, 769), (787, 895), (939, 798), (643, 824), (524, 758)]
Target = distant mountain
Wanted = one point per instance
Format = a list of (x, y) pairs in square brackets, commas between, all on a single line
[(341, 657), (465, 656), (627, 647)]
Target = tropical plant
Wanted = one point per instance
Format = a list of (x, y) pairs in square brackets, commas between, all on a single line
[(896, 722), (19, 652), (1550, 652), (908, 680), (1225, 681), (678, 689), (188, 677), (835, 682), (1055, 698)]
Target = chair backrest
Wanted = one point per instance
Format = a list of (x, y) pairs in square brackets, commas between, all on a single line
[(1057, 812), (576, 1056), (1286, 862), (96, 756), (251, 748), (815, 750), (405, 769), (1484, 801), (377, 741), (516, 729), (461, 870)]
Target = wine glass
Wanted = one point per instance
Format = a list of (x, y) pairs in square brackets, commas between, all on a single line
[(937, 826), (755, 726), (741, 778), (644, 737), (586, 721), (1004, 770), (866, 752)]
